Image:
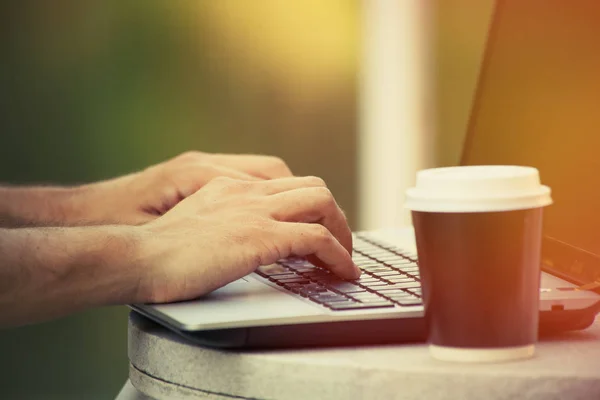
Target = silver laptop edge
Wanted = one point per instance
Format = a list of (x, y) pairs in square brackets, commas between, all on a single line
[(254, 301)]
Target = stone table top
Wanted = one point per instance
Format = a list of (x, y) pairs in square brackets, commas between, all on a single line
[(165, 366)]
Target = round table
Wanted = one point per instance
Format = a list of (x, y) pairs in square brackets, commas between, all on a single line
[(165, 366)]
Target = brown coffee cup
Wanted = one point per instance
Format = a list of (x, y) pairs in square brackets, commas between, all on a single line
[(478, 231)]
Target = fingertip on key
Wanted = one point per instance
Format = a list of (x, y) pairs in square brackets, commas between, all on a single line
[(357, 271)]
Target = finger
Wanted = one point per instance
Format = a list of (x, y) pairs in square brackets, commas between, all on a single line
[(317, 242), (312, 205), (265, 167), (194, 176), (275, 186)]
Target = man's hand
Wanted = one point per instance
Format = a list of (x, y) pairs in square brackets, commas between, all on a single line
[(142, 196), (132, 199), (216, 235), (230, 227)]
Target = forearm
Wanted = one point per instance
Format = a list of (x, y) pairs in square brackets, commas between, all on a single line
[(49, 272), (41, 206)]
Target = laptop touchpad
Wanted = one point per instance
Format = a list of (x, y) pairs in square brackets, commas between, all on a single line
[(243, 300)]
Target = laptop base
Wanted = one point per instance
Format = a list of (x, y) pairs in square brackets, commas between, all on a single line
[(361, 332)]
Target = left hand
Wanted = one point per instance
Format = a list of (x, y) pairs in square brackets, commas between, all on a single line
[(143, 196)]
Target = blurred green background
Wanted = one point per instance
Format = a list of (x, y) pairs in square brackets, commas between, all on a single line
[(95, 89)]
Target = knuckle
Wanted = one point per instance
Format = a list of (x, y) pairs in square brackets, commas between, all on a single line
[(321, 234), (276, 163), (221, 183), (191, 155), (204, 167), (325, 196), (315, 181)]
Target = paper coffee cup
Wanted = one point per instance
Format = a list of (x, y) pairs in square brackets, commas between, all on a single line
[(478, 231)]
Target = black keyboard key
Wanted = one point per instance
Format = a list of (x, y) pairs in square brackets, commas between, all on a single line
[(389, 257), (318, 272), (294, 287), (401, 279), (389, 274), (377, 299), (379, 268), (366, 279), (272, 269), (375, 285), (296, 279), (410, 302), (345, 287), (396, 292), (364, 295), (312, 290), (401, 263), (412, 272), (326, 298), (303, 269), (315, 287), (408, 266), (407, 285), (279, 277), (370, 264), (392, 292), (358, 306)]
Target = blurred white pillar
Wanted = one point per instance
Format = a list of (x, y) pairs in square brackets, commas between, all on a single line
[(395, 137)]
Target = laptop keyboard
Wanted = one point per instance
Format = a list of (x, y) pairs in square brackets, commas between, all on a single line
[(390, 277)]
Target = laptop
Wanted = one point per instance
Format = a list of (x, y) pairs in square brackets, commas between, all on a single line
[(536, 104)]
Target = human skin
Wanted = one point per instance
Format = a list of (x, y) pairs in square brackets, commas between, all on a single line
[(172, 232)]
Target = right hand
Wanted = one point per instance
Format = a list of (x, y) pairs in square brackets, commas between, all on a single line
[(230, 227)]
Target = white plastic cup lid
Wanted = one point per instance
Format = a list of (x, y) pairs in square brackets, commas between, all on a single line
[(484, 188)]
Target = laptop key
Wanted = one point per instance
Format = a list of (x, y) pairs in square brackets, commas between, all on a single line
[(372, 264), (327, 299), (377, 270), (374, 285), (410, 302), (406, 285), (377, 299), (389, 258), (311, 290), (388, 274), (407, 267), (364, 295), (277, 278), (366, 279), (272, 269), (401, 278), (294, 287), (358, 306), (296, 279), (391, 292), (303, 269), (345, 287)]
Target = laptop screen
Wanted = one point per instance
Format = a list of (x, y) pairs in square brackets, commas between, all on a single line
[(538, 104)]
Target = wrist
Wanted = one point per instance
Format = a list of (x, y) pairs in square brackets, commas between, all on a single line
[(119, 259), (99, 265), (50, 272), (40, 206)]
